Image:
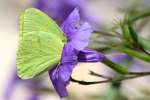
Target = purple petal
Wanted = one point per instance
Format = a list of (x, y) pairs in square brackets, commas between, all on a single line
[(78, 35), (81, 38), (75, 2), (69, 26), (34, 96), (50, 7), (60, 75), (58, 9), (69, 54), (12, 84), (88, 55), (120, 58)]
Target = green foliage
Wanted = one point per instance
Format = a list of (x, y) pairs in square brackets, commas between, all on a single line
[(117, 67), (138, 16), (115, 93), (124, 37)]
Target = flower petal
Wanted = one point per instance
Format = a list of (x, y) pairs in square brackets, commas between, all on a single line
[(51, 7), (88, 55), (12, 84), (34, 96), (60, 75), (78, 35), (69, 25), (120, 58), (59, 9), (81, 38), (69, 54)]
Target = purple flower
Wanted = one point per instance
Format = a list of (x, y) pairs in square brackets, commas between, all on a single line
[(14, 81), (121, 58), (34, 96), (59, 10), (11, 85), (89, 55), (74, 51)]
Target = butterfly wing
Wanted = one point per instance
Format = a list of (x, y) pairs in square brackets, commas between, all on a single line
[(40, 44), (35, 20)]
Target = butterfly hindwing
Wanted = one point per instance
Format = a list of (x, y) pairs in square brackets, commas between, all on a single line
[(40, 44)]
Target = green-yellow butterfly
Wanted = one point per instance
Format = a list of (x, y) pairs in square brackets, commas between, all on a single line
[(40, 44)]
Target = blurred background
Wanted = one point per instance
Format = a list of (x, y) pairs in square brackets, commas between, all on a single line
[(104, 12)]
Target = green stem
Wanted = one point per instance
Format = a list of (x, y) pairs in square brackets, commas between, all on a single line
[(139, 16), (134, 53), (117, 67), (145, 43), (115, 79)]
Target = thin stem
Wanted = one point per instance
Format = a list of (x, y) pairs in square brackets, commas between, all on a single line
[(139, 73), (143, 15), (98, 75), (145, 51), (117, 67), (109, 34), (120, 78), (87, 83)]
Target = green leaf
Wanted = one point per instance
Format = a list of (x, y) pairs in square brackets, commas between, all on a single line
[(40, 44), (145, 43), (115, 94), (134, 53), (139, 15), (129, 33), (133, 34), (116, 67), (126, 33)]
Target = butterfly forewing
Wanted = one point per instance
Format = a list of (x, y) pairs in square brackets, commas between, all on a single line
[(40, 44)]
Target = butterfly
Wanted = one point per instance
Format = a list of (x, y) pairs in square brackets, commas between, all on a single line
[(40, 44)]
